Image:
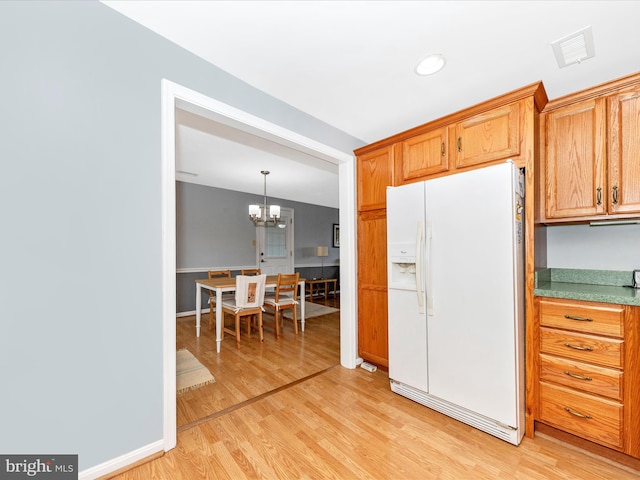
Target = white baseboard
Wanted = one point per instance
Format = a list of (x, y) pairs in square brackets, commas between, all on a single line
[(121, 462), (192, 312)]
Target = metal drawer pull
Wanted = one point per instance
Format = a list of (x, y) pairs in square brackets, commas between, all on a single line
[(579, 377), (567, 409), (579, 347), (580, 319)]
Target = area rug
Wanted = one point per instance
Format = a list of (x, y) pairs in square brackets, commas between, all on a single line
[(190, 373), (311, 310)]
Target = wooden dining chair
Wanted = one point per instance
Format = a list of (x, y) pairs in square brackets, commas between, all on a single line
[(284, 298), (247, 302), (212, 294), (251, 271)]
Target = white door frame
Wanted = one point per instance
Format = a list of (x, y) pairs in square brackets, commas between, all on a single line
[(174, 95)]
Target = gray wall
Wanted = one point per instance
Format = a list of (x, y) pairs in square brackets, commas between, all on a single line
[(597, 248), (214, 231), (80, 202)]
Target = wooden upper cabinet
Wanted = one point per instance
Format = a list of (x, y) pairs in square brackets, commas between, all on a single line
[(575, 155), (424, 155), (479, 139), (374, 173), (624, 152), (591, 153), (490, 136)]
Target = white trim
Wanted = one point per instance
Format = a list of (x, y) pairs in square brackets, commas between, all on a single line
[(206, 269), (348, 298), (192, 101), (121, 461), (239, 269), (192, 312), (174, 95), (168, 140)]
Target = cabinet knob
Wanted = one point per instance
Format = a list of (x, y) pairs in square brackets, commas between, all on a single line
[(459, 144), (615, 194), (599, 196), (442, 149)]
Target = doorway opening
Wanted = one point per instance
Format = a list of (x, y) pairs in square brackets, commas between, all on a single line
[(176, 96)]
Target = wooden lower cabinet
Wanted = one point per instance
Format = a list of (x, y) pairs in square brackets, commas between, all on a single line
[(372, 326), (588, 416), (606, 382), (588, 371)]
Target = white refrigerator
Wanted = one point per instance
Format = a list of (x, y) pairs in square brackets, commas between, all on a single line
[(456, 296)]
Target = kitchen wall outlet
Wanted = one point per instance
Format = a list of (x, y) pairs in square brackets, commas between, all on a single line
[(636, 278)]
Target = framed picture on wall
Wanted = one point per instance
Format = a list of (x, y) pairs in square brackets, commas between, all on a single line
[(336, 235)]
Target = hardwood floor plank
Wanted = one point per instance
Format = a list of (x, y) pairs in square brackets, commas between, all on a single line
[(324, 428), (257, 367), (284, 410)]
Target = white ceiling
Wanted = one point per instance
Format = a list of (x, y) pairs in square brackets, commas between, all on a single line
[(350, 64)]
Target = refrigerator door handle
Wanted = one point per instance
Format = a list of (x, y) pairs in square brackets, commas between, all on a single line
[(419, 281), (428, 271)]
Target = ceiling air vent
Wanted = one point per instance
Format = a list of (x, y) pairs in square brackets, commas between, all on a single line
[(574, 48)]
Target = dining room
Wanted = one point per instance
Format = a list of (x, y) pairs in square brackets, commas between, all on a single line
[(214, 232), (256, 368)]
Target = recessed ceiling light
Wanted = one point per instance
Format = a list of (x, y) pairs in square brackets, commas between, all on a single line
[(431, 64)]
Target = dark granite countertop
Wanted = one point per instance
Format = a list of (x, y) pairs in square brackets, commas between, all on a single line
[(591, 285)]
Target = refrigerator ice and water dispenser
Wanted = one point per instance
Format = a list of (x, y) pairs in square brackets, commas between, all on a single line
[(402, 266)]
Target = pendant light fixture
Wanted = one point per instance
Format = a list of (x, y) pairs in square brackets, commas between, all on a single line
[(265, 215)]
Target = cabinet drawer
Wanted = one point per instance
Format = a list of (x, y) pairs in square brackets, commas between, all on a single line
[(589, 378), (600, 319), (593, 418), (586, 348)]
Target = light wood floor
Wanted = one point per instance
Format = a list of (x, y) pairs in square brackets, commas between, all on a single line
[(256, 368), (340, 424)]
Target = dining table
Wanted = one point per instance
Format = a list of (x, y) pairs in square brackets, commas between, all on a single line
[(223, 285)]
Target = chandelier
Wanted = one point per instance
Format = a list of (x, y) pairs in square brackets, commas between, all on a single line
[(265, 215)]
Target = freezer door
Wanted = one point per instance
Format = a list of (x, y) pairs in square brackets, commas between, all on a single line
[(407, 332), (407, 340), (472, 324)]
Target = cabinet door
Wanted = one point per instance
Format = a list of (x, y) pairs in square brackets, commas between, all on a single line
[(374, 173), (425, 154), (372, 326), (372, 287), (489, 136), (624, 152), (575, 138)]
